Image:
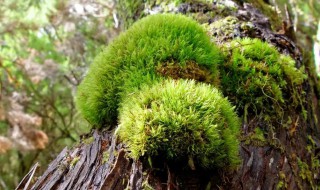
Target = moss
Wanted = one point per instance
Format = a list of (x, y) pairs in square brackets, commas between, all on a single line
[(258, 78), (259, 135), (133, 58), (282, 184), (305, 173), (256, 138), (146, 185), (178, 120), (131, 84), (105, 156), (74, 161), (315, 160), (88, 140)]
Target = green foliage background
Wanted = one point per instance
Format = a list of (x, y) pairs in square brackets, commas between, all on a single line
[(62, 38)]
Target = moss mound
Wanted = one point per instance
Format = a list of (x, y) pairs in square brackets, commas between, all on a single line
[(132, 83), (257, 76), (134, 58), (180, 119)]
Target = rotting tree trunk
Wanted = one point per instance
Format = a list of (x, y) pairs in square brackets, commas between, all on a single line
[(289, 159)]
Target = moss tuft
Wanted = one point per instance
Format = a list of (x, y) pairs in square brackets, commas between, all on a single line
[(74, 161), (180, 119), (133, 58), (259, 78)]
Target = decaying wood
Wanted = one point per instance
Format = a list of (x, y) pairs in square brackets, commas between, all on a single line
[(90, 171), (25, 182), (95, 171)]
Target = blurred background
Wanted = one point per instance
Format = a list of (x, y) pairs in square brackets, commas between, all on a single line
[(46, 47)]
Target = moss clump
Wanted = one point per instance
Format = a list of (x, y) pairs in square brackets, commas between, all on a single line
[(133, 58), (258, 77), (180, 119)]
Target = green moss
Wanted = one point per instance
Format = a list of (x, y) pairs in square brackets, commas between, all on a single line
[(315, 160), (178, 120), (282, 184), (146, 185), (105, 156), (259, 135), (256, 138), (88, 140), (257, 77), (133, 58), (305, 173), (74, 161)]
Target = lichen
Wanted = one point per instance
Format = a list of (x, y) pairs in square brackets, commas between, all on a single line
[(228, 28), (202, 11), (206, 11), (269, 11), (224, 29)]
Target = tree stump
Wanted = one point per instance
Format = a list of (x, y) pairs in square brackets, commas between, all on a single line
[(287, 159)]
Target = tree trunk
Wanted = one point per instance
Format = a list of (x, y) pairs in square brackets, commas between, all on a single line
[(289, 158)]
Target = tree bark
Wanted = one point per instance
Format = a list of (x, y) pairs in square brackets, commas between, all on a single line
[(288, 160)]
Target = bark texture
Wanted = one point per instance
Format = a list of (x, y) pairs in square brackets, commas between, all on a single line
[(289, 159)]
